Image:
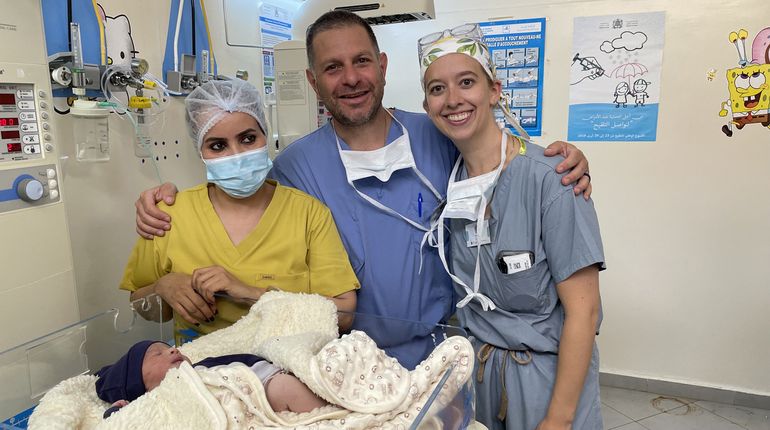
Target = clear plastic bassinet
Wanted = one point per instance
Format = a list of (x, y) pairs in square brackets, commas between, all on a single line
[(29, 370)]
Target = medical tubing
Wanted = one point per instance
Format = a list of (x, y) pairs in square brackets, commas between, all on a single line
[(176, 35), (212, 62), (161, 84), (161, 101), (104, 85), (121, 107), (192, 26), (140, 141), (102, 39)]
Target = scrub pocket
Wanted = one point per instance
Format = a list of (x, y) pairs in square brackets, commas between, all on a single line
[(521, 292), (295, 283)]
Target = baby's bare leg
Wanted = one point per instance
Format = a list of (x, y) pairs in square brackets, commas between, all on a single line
[(287, 393)]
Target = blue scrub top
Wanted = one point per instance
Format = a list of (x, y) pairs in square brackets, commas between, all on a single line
[(384, 250)]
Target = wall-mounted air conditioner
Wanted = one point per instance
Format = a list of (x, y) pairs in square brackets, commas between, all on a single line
[(375, 13)]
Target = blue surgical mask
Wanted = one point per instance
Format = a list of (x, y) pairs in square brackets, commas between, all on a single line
[(239, 175)]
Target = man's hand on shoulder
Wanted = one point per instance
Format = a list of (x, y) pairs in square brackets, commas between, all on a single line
[(576, 163), (151, 221)]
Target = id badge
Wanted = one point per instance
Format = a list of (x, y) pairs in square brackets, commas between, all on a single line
[(470, 234), (510, 262)]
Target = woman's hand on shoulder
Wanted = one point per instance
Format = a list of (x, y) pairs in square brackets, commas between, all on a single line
[(215, 279), (176, 289), (151, 221)]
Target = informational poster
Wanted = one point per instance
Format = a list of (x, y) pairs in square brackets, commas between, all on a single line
[(268, 70), (292, 87), (615, 77), (274, 27), (518, 48)]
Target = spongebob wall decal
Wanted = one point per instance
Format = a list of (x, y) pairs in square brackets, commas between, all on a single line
[(749, 101)]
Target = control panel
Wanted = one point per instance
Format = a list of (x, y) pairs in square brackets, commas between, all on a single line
[(23, 135), (28, 186), (38, 279)]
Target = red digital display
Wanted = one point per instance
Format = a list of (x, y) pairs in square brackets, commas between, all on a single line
[(14, 147), (8, 122), (10, 134), (7, 99)]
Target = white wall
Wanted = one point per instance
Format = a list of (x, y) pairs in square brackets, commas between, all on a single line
[(684, 219)]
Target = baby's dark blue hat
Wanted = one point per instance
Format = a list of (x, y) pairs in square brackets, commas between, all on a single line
[(123, 380)]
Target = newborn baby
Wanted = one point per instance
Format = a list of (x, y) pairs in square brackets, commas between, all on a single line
[(146, 363)]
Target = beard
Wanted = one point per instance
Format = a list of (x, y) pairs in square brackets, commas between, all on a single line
[(354, 118)]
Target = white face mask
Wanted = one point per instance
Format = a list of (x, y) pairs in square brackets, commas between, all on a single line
[(381, 163), (464, 198)]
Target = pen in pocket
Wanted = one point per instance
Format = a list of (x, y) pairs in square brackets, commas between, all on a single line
[(419, 205)]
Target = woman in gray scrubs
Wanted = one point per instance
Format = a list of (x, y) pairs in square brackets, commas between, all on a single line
[(525, 251)]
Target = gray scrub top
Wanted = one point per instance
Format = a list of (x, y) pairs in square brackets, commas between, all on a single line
[(531, 211)]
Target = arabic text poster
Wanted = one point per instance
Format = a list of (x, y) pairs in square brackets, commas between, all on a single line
[(615, 77), (517, 48)]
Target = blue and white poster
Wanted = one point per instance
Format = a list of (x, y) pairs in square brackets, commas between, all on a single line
[(518, 48), (615, 77), (274, 28)]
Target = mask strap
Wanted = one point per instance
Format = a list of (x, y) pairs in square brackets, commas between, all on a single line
[(428, 184), (374, 202), (428, 236), (486, 302), (423, 179), (480, 221), (503, 146), (389, 210)]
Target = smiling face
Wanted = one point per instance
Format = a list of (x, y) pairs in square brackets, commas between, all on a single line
[(348, 74), (459, 97), (235, 133), (749, 87), (158, 359)]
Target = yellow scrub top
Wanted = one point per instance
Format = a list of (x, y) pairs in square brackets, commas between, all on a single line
[(295, 247)]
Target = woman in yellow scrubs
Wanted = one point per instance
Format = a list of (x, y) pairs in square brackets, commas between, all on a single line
[(237, 234)]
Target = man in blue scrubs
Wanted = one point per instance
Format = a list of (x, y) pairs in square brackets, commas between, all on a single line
[(382, 173)]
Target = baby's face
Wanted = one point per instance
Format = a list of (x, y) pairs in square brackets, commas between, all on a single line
[(158, 359)]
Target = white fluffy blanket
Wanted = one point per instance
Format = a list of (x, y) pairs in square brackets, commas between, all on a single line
[(297, 332)]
